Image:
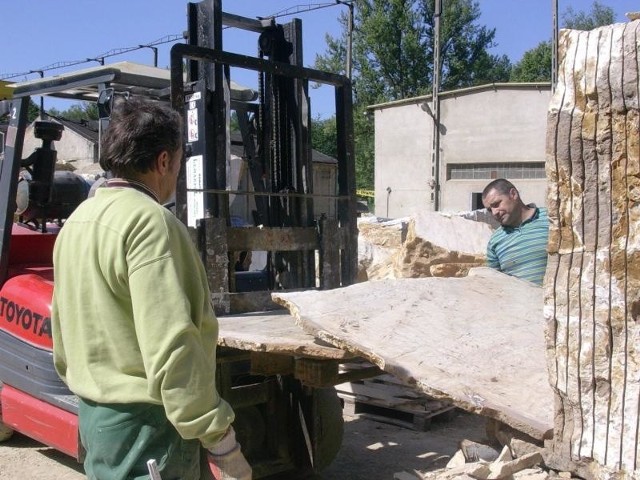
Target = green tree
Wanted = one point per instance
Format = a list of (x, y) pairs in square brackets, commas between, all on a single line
[(324, 136), (599, 16), (77, 112), (535, 65), (393, 53)]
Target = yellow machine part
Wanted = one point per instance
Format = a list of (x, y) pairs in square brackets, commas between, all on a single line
[(6, 91)]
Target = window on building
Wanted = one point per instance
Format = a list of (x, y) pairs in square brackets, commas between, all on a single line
[(491, 171), (476, 201)]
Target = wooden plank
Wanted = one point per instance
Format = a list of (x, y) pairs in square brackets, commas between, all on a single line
[(272, 239), (329, 254), (385, 395), (416, 418), (216, 262), (477, 341)]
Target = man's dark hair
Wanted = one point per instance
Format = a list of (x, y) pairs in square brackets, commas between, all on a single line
[(500, 185), (139, 130)]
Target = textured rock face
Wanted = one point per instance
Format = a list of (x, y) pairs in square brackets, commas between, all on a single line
[(425, 245), (592, 285), (378, 242)]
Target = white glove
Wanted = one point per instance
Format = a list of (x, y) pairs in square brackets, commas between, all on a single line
[(226, 461)]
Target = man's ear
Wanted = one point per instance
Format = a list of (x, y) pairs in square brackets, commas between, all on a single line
[(513, 193), (163, 162)]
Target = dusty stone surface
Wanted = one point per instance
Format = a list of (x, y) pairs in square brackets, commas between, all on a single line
[(450, 337), (378, 242), (592, 287)]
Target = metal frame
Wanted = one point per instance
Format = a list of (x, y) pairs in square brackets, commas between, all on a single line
[(81, 85), (346, 165)]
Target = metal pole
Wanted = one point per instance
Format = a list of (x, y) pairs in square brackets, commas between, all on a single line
[(435, 170), (350, 41), (554, 45), (155, 53), (349, 55), (41, 73)]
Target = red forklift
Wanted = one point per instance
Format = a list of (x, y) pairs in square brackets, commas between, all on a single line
[(288, 415)]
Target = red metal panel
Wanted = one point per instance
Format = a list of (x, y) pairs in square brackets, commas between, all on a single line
[(31, 246), (25, 309), (41, 421)]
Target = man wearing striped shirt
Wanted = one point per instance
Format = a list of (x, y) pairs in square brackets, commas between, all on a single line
[(519, 246)]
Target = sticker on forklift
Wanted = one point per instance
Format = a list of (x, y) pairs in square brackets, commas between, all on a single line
[(193, 97), (195, 199), (192, 126)]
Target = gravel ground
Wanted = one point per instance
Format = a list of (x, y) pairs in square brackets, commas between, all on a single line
[(371, 450)]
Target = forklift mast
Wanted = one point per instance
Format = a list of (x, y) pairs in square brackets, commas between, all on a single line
[(305, 249)]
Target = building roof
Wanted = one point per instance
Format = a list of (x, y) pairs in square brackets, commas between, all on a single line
[(86, 129), (122, 76), (464, 91)]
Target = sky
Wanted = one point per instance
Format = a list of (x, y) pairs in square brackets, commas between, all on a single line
[(49, 32)]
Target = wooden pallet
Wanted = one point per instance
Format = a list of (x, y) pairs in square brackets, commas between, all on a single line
[(386, 399)]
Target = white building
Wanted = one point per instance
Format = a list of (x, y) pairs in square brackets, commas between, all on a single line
[(486, 132)]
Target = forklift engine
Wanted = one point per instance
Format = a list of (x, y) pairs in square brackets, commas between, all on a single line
[(45, 194)]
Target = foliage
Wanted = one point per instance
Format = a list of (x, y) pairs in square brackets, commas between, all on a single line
[(598, 16), (393, 54), (33, 111), (323, 136), (535, 65), (77, 112)]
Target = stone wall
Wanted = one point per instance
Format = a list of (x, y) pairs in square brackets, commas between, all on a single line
[(592, 285)]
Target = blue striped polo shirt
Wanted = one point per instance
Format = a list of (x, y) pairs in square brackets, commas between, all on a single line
[(521, 251)]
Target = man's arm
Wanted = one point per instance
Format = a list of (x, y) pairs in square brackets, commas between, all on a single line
[(177, 335)]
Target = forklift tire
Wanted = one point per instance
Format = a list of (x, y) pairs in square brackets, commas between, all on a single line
[(330, 424), (250, 430)]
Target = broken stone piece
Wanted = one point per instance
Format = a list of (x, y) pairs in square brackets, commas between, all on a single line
[(500, 470), (474, 451), (531, 474), (457, 460), (519, 443), (505, 455), (477, 470)]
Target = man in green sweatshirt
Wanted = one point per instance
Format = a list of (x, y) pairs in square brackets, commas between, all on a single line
[(134, 333)]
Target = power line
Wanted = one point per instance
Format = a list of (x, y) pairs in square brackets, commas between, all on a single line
[(303, 8), (98, 58)]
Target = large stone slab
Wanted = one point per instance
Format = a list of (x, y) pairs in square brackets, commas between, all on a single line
[(273, 332), (476, 341)]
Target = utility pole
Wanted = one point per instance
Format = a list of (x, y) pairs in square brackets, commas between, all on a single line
[(435, 98), (349, 59)]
